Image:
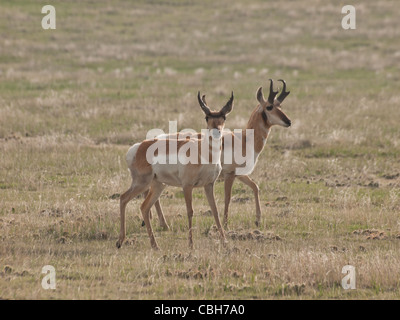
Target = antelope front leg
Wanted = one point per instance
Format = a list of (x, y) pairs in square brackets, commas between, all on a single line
[(256, 190), (187, 191), (209, 189), (228, 183)]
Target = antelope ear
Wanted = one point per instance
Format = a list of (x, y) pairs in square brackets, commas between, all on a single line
[(228, 107), (260, 96)]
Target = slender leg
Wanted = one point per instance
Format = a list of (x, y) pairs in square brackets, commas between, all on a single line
[(154, 193), (187, 191), (209, 189), (132, 192), (161, 218), (256, 190), (228, 183), (150, 214)]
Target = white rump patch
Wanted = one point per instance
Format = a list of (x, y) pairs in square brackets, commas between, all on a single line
[(131, 155)]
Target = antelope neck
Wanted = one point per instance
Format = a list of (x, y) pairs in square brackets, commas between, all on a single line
[(258, 123)]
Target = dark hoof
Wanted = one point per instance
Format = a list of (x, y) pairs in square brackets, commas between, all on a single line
[(143, 224)]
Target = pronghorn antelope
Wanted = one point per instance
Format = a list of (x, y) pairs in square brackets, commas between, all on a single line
[(149, 173), (267, 114)]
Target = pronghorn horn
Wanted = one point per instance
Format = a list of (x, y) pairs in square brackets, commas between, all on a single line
[(203, 106), (272, 93), (284, 93), (228, 107), (204, 99), (260, 96)]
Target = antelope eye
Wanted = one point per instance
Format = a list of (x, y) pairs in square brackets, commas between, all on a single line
[(269, 108)]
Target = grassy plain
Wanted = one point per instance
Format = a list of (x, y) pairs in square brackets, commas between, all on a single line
[(72, 100)]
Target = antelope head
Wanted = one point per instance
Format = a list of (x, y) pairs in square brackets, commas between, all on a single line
[(271, 108), (215, 119)]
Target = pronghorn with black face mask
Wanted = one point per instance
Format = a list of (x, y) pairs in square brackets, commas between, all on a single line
[(149, 173), (267, 114)]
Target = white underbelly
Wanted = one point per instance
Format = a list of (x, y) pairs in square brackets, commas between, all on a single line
[(179, 175), (168, 174), (208, 174)]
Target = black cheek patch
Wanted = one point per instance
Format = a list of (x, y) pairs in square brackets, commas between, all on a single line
[(264, 116)]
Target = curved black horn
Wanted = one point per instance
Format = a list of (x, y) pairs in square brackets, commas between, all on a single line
[(228, 107), (272, 93), (284, 93), (203, 106), (204, 99)]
